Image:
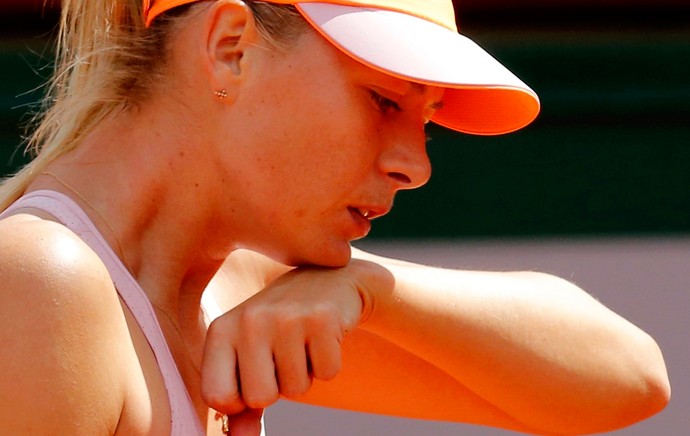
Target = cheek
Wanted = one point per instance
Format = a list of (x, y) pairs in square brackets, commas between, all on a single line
[(333, 152), (313, 144)]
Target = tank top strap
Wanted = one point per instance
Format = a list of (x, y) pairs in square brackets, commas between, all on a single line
[(185, 421)]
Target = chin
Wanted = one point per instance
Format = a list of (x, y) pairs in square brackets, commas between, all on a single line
[(329, 257), (324, 253)]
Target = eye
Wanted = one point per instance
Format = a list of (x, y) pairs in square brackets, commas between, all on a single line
[(384, 104)]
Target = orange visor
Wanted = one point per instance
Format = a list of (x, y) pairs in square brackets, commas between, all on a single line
[(438, 11), (417, 40)]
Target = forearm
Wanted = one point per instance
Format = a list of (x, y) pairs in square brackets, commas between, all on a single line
[(531, 346), (535, 346)]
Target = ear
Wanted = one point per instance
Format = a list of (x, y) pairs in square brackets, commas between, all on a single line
[(230, 30)]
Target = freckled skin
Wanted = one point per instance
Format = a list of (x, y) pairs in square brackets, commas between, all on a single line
[(320, 145)]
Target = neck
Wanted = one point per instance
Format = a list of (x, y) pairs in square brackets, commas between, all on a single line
[(151, 210)]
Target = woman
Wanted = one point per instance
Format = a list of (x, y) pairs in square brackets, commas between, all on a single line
[(183, 138)]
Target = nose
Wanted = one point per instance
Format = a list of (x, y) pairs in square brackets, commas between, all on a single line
[(406, 162)]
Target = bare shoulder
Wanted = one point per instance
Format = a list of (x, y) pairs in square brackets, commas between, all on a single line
[(60, 330)]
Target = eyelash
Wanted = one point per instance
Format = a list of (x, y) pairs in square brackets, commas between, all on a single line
[(384, 104)]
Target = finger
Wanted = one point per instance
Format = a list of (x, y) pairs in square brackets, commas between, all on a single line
[(325, 355), (292, 367), (220, 387), (246, 423), (258, 384)]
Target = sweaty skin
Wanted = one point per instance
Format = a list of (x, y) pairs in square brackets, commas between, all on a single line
[(186, 187)]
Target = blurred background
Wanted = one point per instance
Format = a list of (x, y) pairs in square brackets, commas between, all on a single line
[(596, 190)]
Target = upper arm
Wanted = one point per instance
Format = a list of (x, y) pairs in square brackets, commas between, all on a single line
[(58, 317)]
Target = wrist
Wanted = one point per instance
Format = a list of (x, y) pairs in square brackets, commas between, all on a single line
[(373, 281)]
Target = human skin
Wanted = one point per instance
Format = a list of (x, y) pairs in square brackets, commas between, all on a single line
[(177, 181), (182, 179), (322, 149), (518, 350)]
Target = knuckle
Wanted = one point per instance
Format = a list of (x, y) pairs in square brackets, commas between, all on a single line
[(327, 371), (290, 320), (323, 315), (223, 402), (296, 389), (252, 318), (220, 329), (328, 366), (261, 400)]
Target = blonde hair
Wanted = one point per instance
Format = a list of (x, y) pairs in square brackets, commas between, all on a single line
[(106, 60)]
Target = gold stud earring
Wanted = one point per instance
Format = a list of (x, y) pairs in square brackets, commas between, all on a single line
[(222, 94)]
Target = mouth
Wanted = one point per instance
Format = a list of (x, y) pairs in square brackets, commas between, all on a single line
[(369, 213)]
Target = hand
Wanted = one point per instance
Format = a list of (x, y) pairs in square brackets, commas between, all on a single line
[(276, 342)]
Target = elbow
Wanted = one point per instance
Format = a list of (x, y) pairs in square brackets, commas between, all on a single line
[(632, 407), (621, 411), (645, 392), (660, 398), (653, 389), (654, 394), (636, 389)]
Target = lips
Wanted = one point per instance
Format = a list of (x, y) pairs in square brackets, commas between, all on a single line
[(369, 212), (358, 213)]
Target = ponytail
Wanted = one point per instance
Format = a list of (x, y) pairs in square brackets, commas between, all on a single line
[(104, 57)]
